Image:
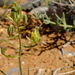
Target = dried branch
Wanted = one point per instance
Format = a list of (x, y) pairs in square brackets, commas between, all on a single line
[(55, 71), (63, 4)]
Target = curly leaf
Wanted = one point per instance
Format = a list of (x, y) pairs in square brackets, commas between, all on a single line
[(3, 52)]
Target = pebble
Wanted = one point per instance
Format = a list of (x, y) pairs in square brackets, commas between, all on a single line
[(40, 72), (43, 43), (66, 61), (71, 54), (23, 62)]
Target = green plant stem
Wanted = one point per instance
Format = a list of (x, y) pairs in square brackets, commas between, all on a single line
[(19, 58), (2, 72)]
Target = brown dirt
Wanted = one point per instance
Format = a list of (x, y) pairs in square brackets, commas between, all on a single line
[(21, 2), (44, 56)]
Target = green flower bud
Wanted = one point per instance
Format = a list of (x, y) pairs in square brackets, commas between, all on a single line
[(13, 15), (25, 19), (35, 36), (19, 10), (10, 30)]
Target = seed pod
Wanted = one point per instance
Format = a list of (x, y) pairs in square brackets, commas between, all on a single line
[(25, 19), (10, 30)]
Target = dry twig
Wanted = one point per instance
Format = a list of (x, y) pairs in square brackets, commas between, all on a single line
[(55, 71), (63, 4)]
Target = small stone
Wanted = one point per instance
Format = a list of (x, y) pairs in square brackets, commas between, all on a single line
[(23, 62), (63, 56), (71, 54), (66, 61), (40, 72), (43, 43)]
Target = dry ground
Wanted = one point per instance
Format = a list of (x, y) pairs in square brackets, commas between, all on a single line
[(45, 56)]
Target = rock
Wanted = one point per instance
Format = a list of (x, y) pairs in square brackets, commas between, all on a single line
[(13, 70), (27, 6), (5, 2), (1, 3), (39, 9), (8, 2), (30, 4)]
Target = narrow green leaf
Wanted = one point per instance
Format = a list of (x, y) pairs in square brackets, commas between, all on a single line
[(64, 20), (10, 18), (29, 46), (3, 52), (58, 17), (8, 42), (67, 26), (5, 40), (29, 39), (21, 27), (47, 21), (12, 37), (37, 15)]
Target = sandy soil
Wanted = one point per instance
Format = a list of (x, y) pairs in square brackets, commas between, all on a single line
[(21, 2), (45, 57)]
